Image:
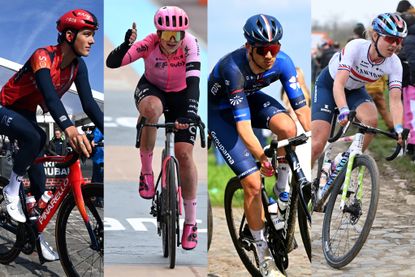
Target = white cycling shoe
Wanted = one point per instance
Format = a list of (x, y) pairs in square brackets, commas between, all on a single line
[(14, 207), (269, 269), (47, 250)]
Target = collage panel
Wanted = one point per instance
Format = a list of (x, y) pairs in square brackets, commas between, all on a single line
[(362, 66), (255, 53), (51, 99), (156, 69)]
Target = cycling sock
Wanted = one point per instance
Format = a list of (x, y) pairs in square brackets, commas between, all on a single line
[(261, 243), (284, 174), (14, 184), (189, 211), (146, 161)]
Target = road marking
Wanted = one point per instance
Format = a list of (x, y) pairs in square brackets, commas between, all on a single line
[(111, 224), (139, 224)]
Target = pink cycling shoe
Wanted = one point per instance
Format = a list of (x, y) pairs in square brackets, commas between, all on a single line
[(146, 188), (189, 236)]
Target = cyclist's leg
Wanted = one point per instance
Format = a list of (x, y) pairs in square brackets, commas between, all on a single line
[(224, 134), (272, 115), (18, 125), (36, 172), (184, 141), (150, 102), (322, 111), (366, 111)]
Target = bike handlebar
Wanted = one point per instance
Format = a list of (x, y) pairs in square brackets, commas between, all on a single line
[(197, 122), (343, 129), (368, 129), (270, 149)]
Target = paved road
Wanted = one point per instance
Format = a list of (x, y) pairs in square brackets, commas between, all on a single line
[(390, 247), (28, 265)]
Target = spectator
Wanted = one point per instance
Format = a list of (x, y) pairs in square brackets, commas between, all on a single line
[(359, 31), (57, 145), (407, 57), (97, 158)]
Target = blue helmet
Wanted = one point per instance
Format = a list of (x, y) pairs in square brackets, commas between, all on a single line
[(390, 24), (262, 29)]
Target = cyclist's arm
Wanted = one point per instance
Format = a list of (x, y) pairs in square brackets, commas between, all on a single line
[(289, 80), (234, 85), (338, 88), (395, 106), (304, 117), (245, 132), (192, 74), (89, 105), (126, 54), (52, 101)]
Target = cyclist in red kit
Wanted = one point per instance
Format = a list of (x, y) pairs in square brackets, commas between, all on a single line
[(42, 81)]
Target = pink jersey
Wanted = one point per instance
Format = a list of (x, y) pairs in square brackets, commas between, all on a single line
[(168, 73)]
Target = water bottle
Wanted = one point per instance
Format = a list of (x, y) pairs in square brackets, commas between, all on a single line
[(336, 161), (30, 203), (282, 208), (41, 205), (43, 201), (325, 172), (273, 210)]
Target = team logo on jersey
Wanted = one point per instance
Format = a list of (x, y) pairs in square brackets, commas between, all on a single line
[(294, 83), (236, 100)]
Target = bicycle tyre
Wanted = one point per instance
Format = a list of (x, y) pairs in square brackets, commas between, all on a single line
[(172, 211), (17, 232), (68, 214), (233, 186), (210, 223), (304, 226), (341, 261)]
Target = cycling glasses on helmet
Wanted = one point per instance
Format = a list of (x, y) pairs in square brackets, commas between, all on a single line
[(167, 35), (263, 50), (392, 40)]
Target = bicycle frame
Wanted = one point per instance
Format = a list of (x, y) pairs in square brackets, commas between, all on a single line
[(169, 155), (75, 181)]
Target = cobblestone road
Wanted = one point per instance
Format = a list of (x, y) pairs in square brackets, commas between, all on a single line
[(225, 262), (390, 247)]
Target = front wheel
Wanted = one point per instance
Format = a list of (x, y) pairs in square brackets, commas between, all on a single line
[(346, 229), (238, 226), (77, 256), (172, 211), (305, 226), (11, 232)]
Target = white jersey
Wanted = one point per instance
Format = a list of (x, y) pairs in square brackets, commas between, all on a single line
[(354, 58)]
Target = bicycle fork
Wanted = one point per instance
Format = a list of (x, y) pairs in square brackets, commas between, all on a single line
[(355, 149), (77, 181)]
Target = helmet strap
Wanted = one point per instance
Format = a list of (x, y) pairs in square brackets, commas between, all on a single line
[(72, 43), (377, 49), (253, 59)]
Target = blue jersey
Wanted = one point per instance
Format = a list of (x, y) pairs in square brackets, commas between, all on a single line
[(232, 80)]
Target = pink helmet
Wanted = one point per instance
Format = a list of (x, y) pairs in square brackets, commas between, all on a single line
[(171, 18)]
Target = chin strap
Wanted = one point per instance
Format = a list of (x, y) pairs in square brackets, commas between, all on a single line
[(71, 44), (377, 49)]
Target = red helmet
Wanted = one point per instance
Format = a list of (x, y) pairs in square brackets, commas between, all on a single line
[(77, 20)]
